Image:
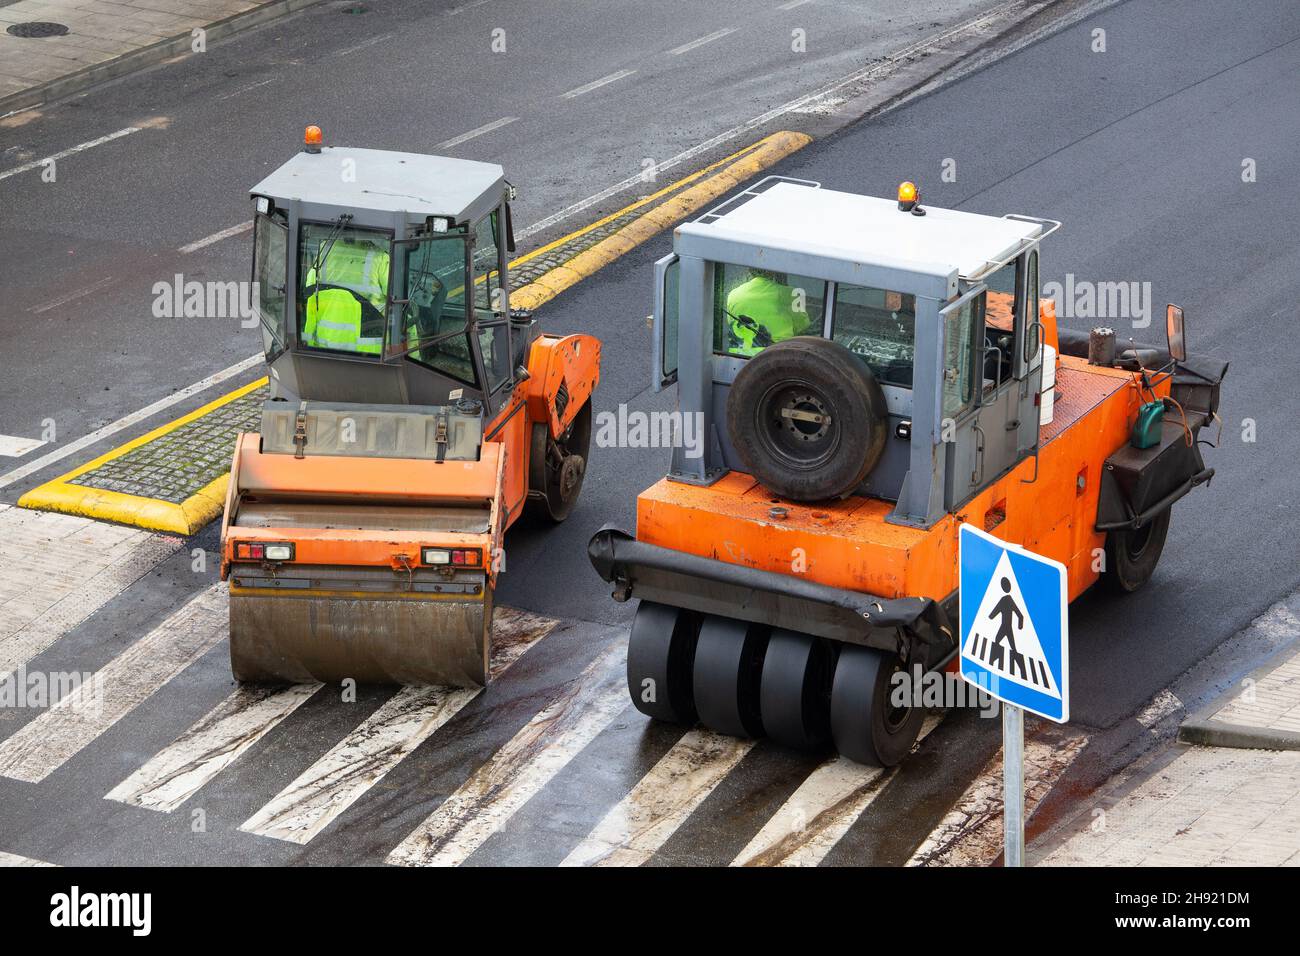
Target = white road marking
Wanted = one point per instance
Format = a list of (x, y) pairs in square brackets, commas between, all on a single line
[(46, 743), (687, 47), (13, 859), (73, 296), (337, 780), (791, 4), (71, 151), (597, 84), (818, 814), (198, 244), (971, 833), (56, 570), (217, 740), (365, 43), (485, 128), (246, 89), (822, 107), (530, 760), (12, 446), (877, 69), (127, 421), (641, 823)]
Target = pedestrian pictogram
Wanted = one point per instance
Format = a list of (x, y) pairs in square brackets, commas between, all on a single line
[(1013, 624)]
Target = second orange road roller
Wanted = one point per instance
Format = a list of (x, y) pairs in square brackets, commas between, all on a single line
[(870, 375), (412, 418)]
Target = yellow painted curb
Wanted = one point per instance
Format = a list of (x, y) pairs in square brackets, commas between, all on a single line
[(150, 513), (192, 514), (726, 175)]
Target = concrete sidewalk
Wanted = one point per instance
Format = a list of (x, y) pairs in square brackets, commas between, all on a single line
[(103, 39), (1231, 801)]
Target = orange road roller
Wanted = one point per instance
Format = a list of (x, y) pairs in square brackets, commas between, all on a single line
[(870, 374), (412, 417)]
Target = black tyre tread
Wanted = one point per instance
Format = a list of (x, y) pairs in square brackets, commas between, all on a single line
[(859, 694), (860, 413), (793, 693), (1123, 574), (726, 675), (539, 502), (662, 649)]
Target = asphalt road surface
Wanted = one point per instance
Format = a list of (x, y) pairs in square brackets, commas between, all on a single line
[(1140, 150), (82, 253)]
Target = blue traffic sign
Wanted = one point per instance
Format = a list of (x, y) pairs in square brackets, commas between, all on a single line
[(1014, 624)]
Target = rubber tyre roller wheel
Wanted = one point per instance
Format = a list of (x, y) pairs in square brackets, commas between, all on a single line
[(553, 490), (807, 419), (660, 658), (865, 724), (1132, 556), (727, 672), (794, 690)]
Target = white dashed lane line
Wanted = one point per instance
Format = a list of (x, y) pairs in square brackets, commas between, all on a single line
[(597, 84), (70, 151), (694, 44), (485, 128)]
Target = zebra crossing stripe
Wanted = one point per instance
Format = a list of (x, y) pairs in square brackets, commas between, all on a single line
[(217, 740), (13, 859), (641, 823), (57, 570), (521, 768), (337, 780), (43, 745), (818, 814)]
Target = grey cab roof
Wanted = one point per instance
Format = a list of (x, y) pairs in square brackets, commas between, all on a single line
[(865, 229), (385, 181)]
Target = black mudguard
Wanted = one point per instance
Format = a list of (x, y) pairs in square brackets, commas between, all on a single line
[(652, 573), (1140, 484)]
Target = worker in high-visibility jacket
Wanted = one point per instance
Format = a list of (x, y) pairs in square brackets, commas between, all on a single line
[(333, 319), (762, 311)]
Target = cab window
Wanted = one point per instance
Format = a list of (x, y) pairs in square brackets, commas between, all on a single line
[(755, 308), (878, 326), (270, 266), (433, 320), (343, 293), (487, 265), (1000, 309)]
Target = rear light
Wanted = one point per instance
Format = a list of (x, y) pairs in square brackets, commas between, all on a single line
[(461, 557), (257, 551)]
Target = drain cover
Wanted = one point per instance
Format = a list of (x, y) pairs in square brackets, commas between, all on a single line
[(35, 29)]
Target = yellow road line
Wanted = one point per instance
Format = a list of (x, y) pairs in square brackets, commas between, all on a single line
[(151, 513), (739, 167), (703, 186)]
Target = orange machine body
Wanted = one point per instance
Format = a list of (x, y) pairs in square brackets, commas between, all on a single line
[(496, 483), (1046, 503)]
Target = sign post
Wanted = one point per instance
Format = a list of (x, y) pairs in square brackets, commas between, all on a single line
[(1014, 647), (1013, 785)]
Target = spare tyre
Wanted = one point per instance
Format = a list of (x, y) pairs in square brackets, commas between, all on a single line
[(807, 418)]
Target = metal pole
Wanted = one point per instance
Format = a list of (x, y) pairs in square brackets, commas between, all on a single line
[(1013, 785)]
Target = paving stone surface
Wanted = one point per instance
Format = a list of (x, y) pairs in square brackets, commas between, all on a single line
[(177, 465)]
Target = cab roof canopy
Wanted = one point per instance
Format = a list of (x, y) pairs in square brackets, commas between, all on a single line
[(409, 184), (845, 232)]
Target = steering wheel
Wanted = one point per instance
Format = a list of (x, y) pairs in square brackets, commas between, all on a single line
[(371, 317)]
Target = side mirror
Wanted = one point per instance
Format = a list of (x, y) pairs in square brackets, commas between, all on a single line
[(1175, 329)]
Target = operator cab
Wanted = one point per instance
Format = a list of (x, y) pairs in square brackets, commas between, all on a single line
[(397, 266), (940, 305)]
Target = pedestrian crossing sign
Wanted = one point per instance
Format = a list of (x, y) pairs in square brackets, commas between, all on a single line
[(1014, 624)]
